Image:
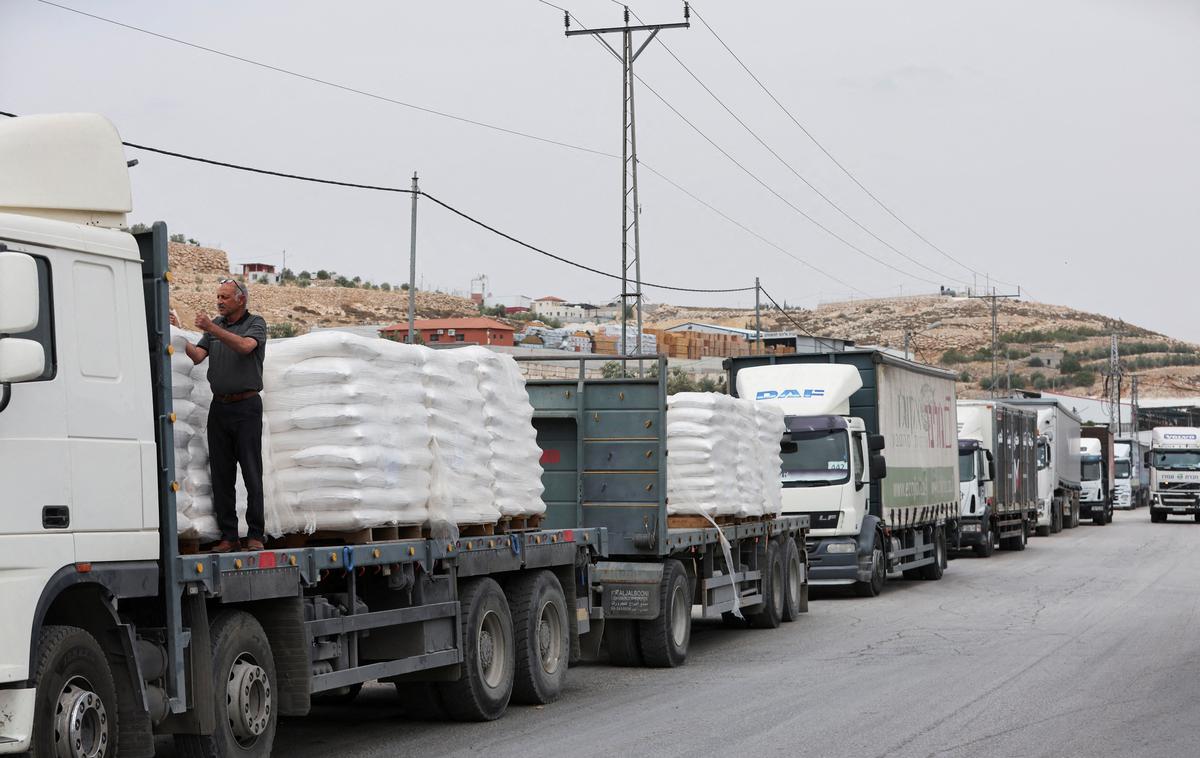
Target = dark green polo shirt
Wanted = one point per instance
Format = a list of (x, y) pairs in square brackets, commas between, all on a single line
[(228, 372)]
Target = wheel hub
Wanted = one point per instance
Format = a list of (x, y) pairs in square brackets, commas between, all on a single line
[(549, 638), (493, 660), (248, 700), (80, 722)]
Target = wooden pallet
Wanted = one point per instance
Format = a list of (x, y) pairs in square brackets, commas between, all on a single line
[(510, 524), (189, 545), (688, 521), (358, 537)]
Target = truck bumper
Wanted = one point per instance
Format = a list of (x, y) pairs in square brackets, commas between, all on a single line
[(1175, 504), (831, 569), (1086, 507), (16, 720), (969, 532)]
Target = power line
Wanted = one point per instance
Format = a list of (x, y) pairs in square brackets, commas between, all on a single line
[(830, 155), (829, 201), (795, 323), (332, 84), (404, 190)]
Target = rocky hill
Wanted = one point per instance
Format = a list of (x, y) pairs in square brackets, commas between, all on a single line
[(1041, 346), (196, 271)]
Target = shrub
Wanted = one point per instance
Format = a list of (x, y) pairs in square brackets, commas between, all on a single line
[(953, 356), (281, 329), (1036, 362), (1070, 363), (323, 275)]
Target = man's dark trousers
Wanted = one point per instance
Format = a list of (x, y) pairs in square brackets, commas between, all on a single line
[(235, 438)]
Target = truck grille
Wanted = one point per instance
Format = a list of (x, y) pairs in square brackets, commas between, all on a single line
[(1179, 486), (824, 519)]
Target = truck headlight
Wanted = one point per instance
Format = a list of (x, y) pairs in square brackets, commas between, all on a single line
[(841, 547)]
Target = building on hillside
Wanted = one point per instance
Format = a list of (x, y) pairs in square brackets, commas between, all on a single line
[(561, 310), (450, 331), (791, 341), (260, 272), (509, 301), (1050, 358)]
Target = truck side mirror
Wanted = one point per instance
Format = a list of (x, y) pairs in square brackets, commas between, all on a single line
[(878, 467), (18, 293), (1146, 458), (991, 466), (875, 443), (20, 360)]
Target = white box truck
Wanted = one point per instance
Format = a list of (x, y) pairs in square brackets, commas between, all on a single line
[(1057, 462), (868, 517), (1174, 462), (997, 476)]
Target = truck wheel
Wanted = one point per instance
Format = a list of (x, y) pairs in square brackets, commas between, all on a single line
[(1157, 516), (489, 656), (421, 701), (75, 708), (621, 638), (1045, 531), (664, 640), (873, 587), (987, 544), (1098, 518), (934, 571), (541, 636), (774, 585), (1015, 543), (795, 588), (243, 671)]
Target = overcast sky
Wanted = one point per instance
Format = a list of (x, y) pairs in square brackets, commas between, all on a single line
[(1053, 144)]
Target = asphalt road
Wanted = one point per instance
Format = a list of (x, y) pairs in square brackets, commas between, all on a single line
[(1086, 644)]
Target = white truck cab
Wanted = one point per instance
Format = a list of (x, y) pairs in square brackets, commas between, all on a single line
[(1091, 472), (975, 469), (1174, 462)]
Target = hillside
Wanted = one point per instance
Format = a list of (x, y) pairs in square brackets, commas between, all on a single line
[(196, 271), (1030, 336)]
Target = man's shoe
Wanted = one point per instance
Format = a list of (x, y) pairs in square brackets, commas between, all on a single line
[(254, 545), (224, 546)]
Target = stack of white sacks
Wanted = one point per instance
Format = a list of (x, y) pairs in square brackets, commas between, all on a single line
[(365, 432), (724, 456)]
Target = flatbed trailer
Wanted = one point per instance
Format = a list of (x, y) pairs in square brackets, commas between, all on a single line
[(134, 639), (605, 456)]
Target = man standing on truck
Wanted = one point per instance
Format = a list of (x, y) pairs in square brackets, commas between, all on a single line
[(236, 342)]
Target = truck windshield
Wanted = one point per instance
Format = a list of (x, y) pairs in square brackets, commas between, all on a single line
[(966, 465), (821, 458), (1123, 468), (1090, 470), (1043, 454), (1179, 460)]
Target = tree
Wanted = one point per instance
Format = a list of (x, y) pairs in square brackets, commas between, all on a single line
[(342, 281), (965, 377), (1036, 362), (323, 274), (1070, 364), (287, 275), (357, 280), (138, 228), (281, 329), (679, 380), (304, 275), (404, 287), (385, 287)]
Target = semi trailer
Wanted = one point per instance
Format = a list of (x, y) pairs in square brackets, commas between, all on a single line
[(1057, 462), (1132, 483), (870, 515), (112, 635), (997, 472), (1174, 464), (1097, 474)]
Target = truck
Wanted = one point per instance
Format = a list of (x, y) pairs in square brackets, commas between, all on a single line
[(112, 635), (1097, 474), (1057, 462), (604, 444), (870, 515), (997, 474), (1174, 464), (1132, 487)]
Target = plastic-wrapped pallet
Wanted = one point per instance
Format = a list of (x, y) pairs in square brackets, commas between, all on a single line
[(770, 427), (743, 419), (462, 483), (508, 419), (184, 430), (349, 439), (702, 450)]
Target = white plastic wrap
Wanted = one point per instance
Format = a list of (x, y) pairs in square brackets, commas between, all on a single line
[(508, 418), (349, 442), (770, 426), (719, 454)]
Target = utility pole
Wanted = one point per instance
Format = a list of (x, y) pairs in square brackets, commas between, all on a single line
[(1114, 384), (995, 298), (1133, 406), (630, 208), (412, 266), (757, 317)]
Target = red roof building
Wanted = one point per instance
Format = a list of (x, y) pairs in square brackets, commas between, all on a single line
[(463, 331)]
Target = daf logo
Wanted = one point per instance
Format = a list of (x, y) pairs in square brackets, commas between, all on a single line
[(789, 394)]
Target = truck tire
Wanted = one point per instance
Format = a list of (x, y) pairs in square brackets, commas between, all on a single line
[(774, 585), (245, 710), (75, 708), (874, 586), (541, 636), (934, 571), (621, 638), (1045, 531), (1056, 519), (1015, 543), (795, 592), (987, 545), (421, 701), (664, 640), (1098, 518), (1157, 516), (489, 655)]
